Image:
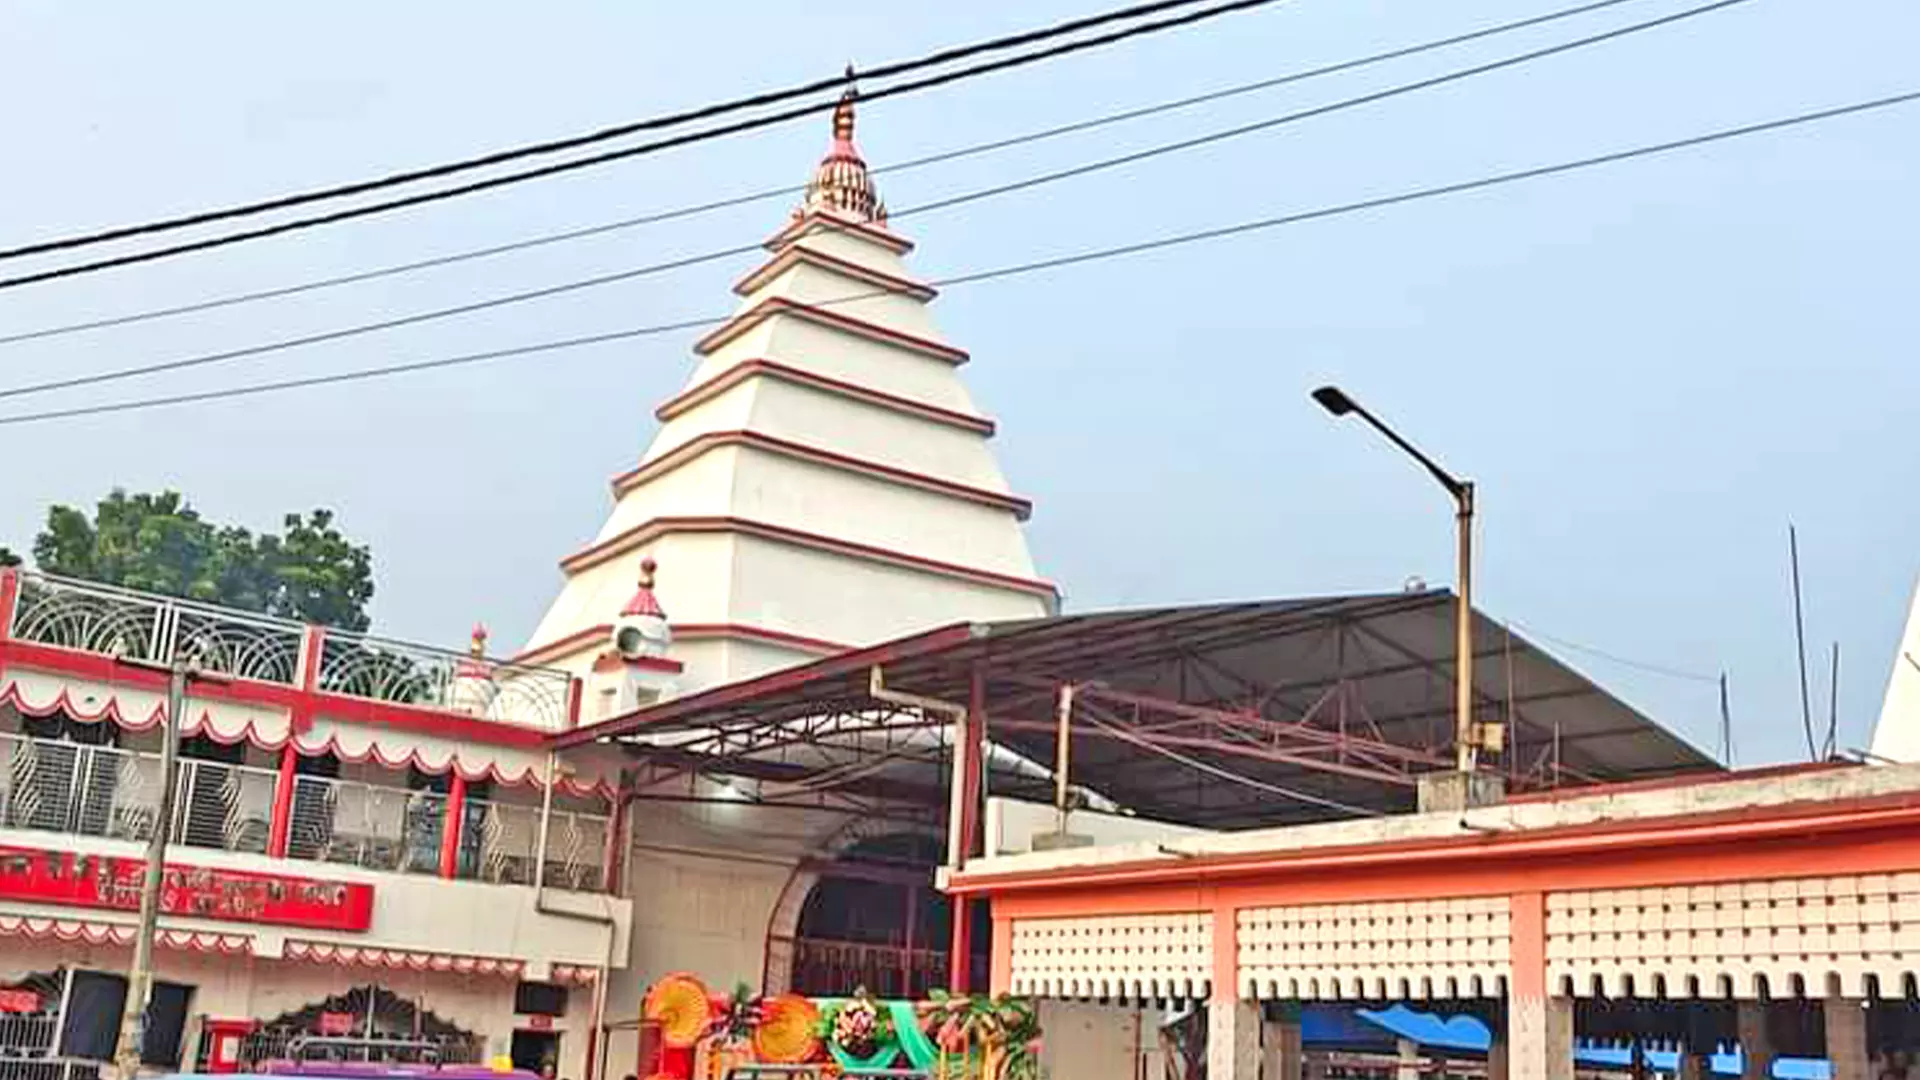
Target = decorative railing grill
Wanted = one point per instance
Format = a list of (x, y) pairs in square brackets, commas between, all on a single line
[(102, 791), (154, 629), (508, 838), (421, 675), (366, 825)]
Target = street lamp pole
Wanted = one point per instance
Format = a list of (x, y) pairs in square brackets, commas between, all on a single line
[(140, 975), (1466, 739)]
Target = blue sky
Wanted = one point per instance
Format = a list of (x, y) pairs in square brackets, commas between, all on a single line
[(1649, 369)]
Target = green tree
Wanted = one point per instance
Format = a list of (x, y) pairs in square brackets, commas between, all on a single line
[(157, 542)]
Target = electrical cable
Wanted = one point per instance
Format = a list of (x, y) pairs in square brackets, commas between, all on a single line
[(1140, 247), (1229, 775), (652, 147), (698, 209), (655, 123), (201, 360), (1641, 665)]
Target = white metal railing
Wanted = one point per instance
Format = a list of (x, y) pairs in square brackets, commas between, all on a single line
[(28, 1036), (431, 678), (70, 788), (141, 626), (79, 790), (366, 825), (507, 838), (146, 627)]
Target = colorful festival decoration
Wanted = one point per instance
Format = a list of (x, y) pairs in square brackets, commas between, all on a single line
[(950, 1037), (682, 1007), (786, 1035)]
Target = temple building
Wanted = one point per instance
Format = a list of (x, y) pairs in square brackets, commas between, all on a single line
[(803, 715), (824, 479)]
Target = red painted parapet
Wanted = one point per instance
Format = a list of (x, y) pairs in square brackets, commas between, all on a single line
[(68, 879)]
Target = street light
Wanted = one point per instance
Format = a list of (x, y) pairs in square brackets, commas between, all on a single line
[(1466, 737)]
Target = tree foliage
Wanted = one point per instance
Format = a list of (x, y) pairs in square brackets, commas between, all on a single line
[(157, 542)]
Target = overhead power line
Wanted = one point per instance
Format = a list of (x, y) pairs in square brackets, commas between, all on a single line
[(1016, 270), (655, 146), (1647, 666), (699, 209), (553, 146), (228, 355)]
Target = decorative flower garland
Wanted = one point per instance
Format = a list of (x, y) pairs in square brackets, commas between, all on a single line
[(858, 1027)]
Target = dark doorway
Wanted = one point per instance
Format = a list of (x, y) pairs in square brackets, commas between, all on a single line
[(874, 920), (534, 1050)]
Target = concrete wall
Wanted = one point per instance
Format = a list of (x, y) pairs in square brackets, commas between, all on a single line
[(1093, 1042), (704, 880), (1012, 823)]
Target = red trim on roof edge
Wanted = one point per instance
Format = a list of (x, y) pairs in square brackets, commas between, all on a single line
[(700, 444), (696, 631), (821, 219), (826, 667), (596, 554), (387, 714), (1749, 822), (201, 725), (701, 393), (780, 263), (563, 646), (780, 305)]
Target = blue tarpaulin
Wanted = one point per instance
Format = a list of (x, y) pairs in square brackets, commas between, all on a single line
[(1464, 1034)]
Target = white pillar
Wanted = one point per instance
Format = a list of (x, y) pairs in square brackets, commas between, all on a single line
[(1756, 1047), (1281, 1050), (1233, 1040), (1847, 1039), (1540, 1037), (1409, 1054)]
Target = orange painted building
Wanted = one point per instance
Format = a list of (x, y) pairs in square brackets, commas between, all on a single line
[(1766, 887)]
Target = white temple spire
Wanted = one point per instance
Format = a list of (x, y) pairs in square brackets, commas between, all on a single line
[(824, 480)]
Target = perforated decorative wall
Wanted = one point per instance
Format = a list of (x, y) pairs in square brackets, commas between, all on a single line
[(1118, 956), (1798, 936), (1378, 951)]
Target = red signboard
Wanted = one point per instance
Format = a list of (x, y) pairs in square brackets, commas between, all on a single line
[(19, 1001), (34, 876)]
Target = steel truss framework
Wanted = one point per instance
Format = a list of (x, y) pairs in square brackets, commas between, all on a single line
[(1221, 715)]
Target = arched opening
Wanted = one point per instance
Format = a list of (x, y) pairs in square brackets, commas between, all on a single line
[(367, 1023), (874, 920)]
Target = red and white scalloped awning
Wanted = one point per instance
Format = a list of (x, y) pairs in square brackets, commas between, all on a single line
[(401, 959), (74, 931), (41, 693), (577, 974)]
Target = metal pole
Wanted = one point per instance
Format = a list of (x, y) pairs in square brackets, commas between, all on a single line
[(140, 976), (1063, 754), (1466, 747)]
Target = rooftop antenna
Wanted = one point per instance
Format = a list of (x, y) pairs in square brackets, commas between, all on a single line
[(1726, 724), (1833, 703), (1800, 642)]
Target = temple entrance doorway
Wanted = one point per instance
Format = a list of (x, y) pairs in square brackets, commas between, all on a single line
[(874, 920)]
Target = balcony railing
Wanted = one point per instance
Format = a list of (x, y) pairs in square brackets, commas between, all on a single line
[(106, 792), (153, 629), (79, 790)]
